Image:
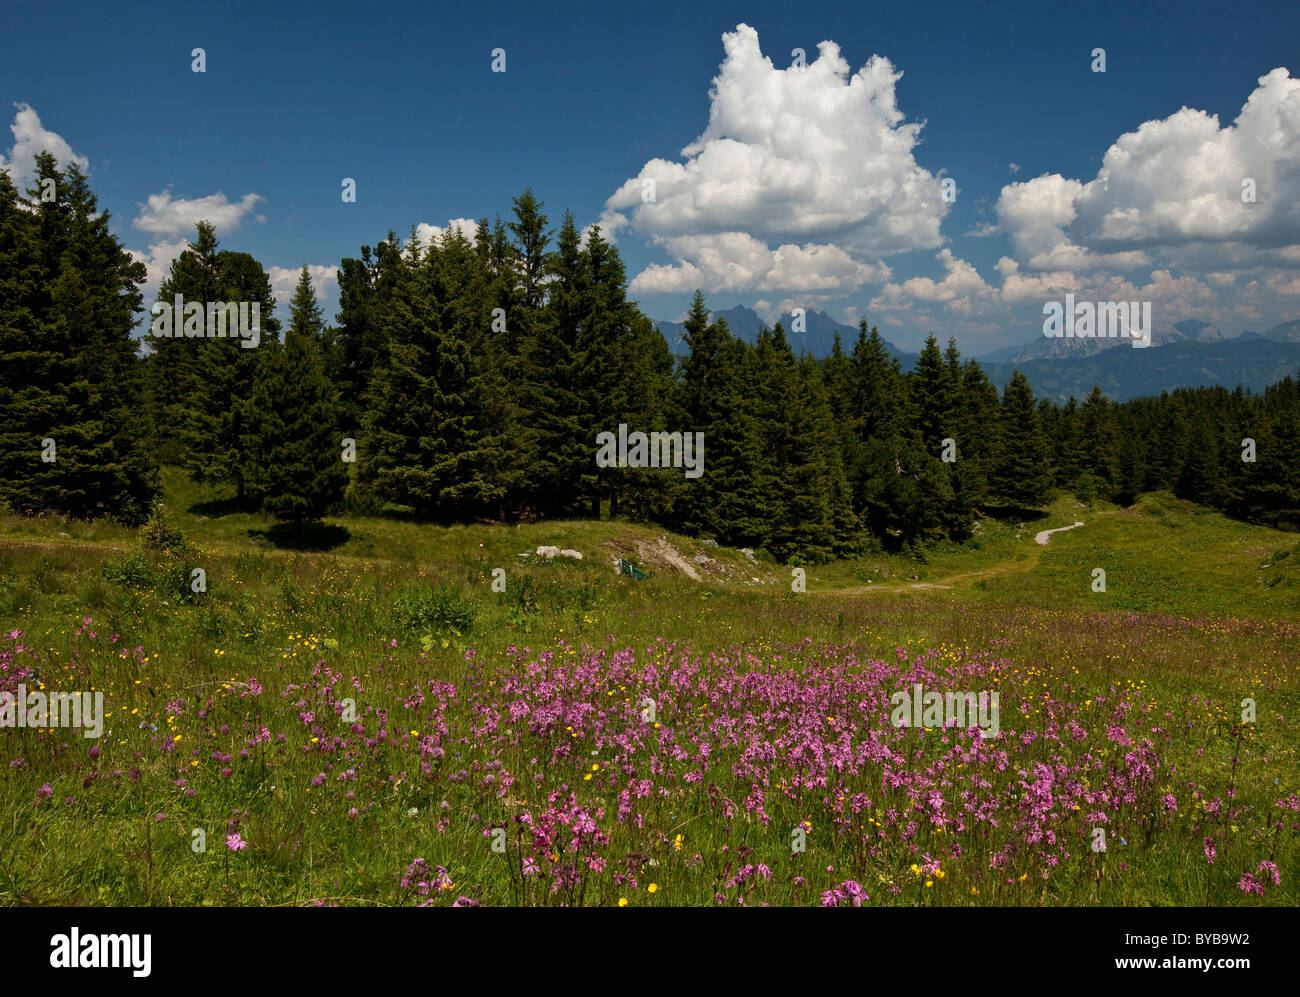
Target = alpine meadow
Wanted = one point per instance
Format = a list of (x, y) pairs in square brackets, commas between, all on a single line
[(795, 472)]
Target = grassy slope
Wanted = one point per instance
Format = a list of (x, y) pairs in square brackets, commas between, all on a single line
[(1183, 624)]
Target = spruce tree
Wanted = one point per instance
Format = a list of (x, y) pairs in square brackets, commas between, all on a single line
[(978, 430), (1096, 443), (554, 397), (605, 343), (365, 287), (294, 446), (425, 432), (728, 502), (794, 420), (1020, 477), (478, 443), (202, 385), (932, 397), (69, 297), (401, 410), (33, 365), (176, 365)]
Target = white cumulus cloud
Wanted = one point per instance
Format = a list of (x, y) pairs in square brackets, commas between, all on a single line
[(30, 138), (429, 234), (962, 290), (802, 179), (1173, 184), (158, 264), (162, 214), (284, 280)]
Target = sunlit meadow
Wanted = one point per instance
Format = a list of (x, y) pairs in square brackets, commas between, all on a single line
[(376, 726)]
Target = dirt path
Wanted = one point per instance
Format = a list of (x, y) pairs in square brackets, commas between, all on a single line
[(946, 582), (1046, 535), (966, 577)]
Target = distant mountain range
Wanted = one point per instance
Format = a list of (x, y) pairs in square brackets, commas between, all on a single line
[(1189, 331), (1185, 354), (817, 338)]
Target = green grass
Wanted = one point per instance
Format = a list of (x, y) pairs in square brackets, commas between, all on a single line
[(1197, 615)]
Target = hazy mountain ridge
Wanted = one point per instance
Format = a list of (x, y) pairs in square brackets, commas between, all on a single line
[(1186, 354), (817, 339), (1132, 373), (1044, 347)]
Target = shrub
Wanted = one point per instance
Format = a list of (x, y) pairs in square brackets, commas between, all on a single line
[(441, 609), (157, 534)]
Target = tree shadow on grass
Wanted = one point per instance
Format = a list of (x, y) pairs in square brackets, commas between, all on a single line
[(216, 508), (308, 537), (1013, 513)]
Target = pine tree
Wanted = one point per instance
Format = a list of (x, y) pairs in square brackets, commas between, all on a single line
[(728, 502), (652, 493), (881, 445), (932, 397), (30, 371), (604, 379), (1170, 442), (294, 456), (176, 365), (510, 382), (1198, 479), (68, 302), (425, 431), (797, 470), (1021, 478), (202, 385), (1274, 497), (34, 365), (1130, 458), (365, 289), (1096, 443), (554, 399), (843, 532), (402, 397), (977, 426), (479, 445)]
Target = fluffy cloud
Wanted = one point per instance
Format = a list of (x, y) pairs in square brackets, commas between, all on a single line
[(962, 289), (659, 279), (31, 137), (163, 214), (429, 234), (1173, 183), (736, 261), (811, 160), (284, 280), (1038, 286), (157, 262)]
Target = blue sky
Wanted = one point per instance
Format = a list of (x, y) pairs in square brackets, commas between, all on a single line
[(813, 188)]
